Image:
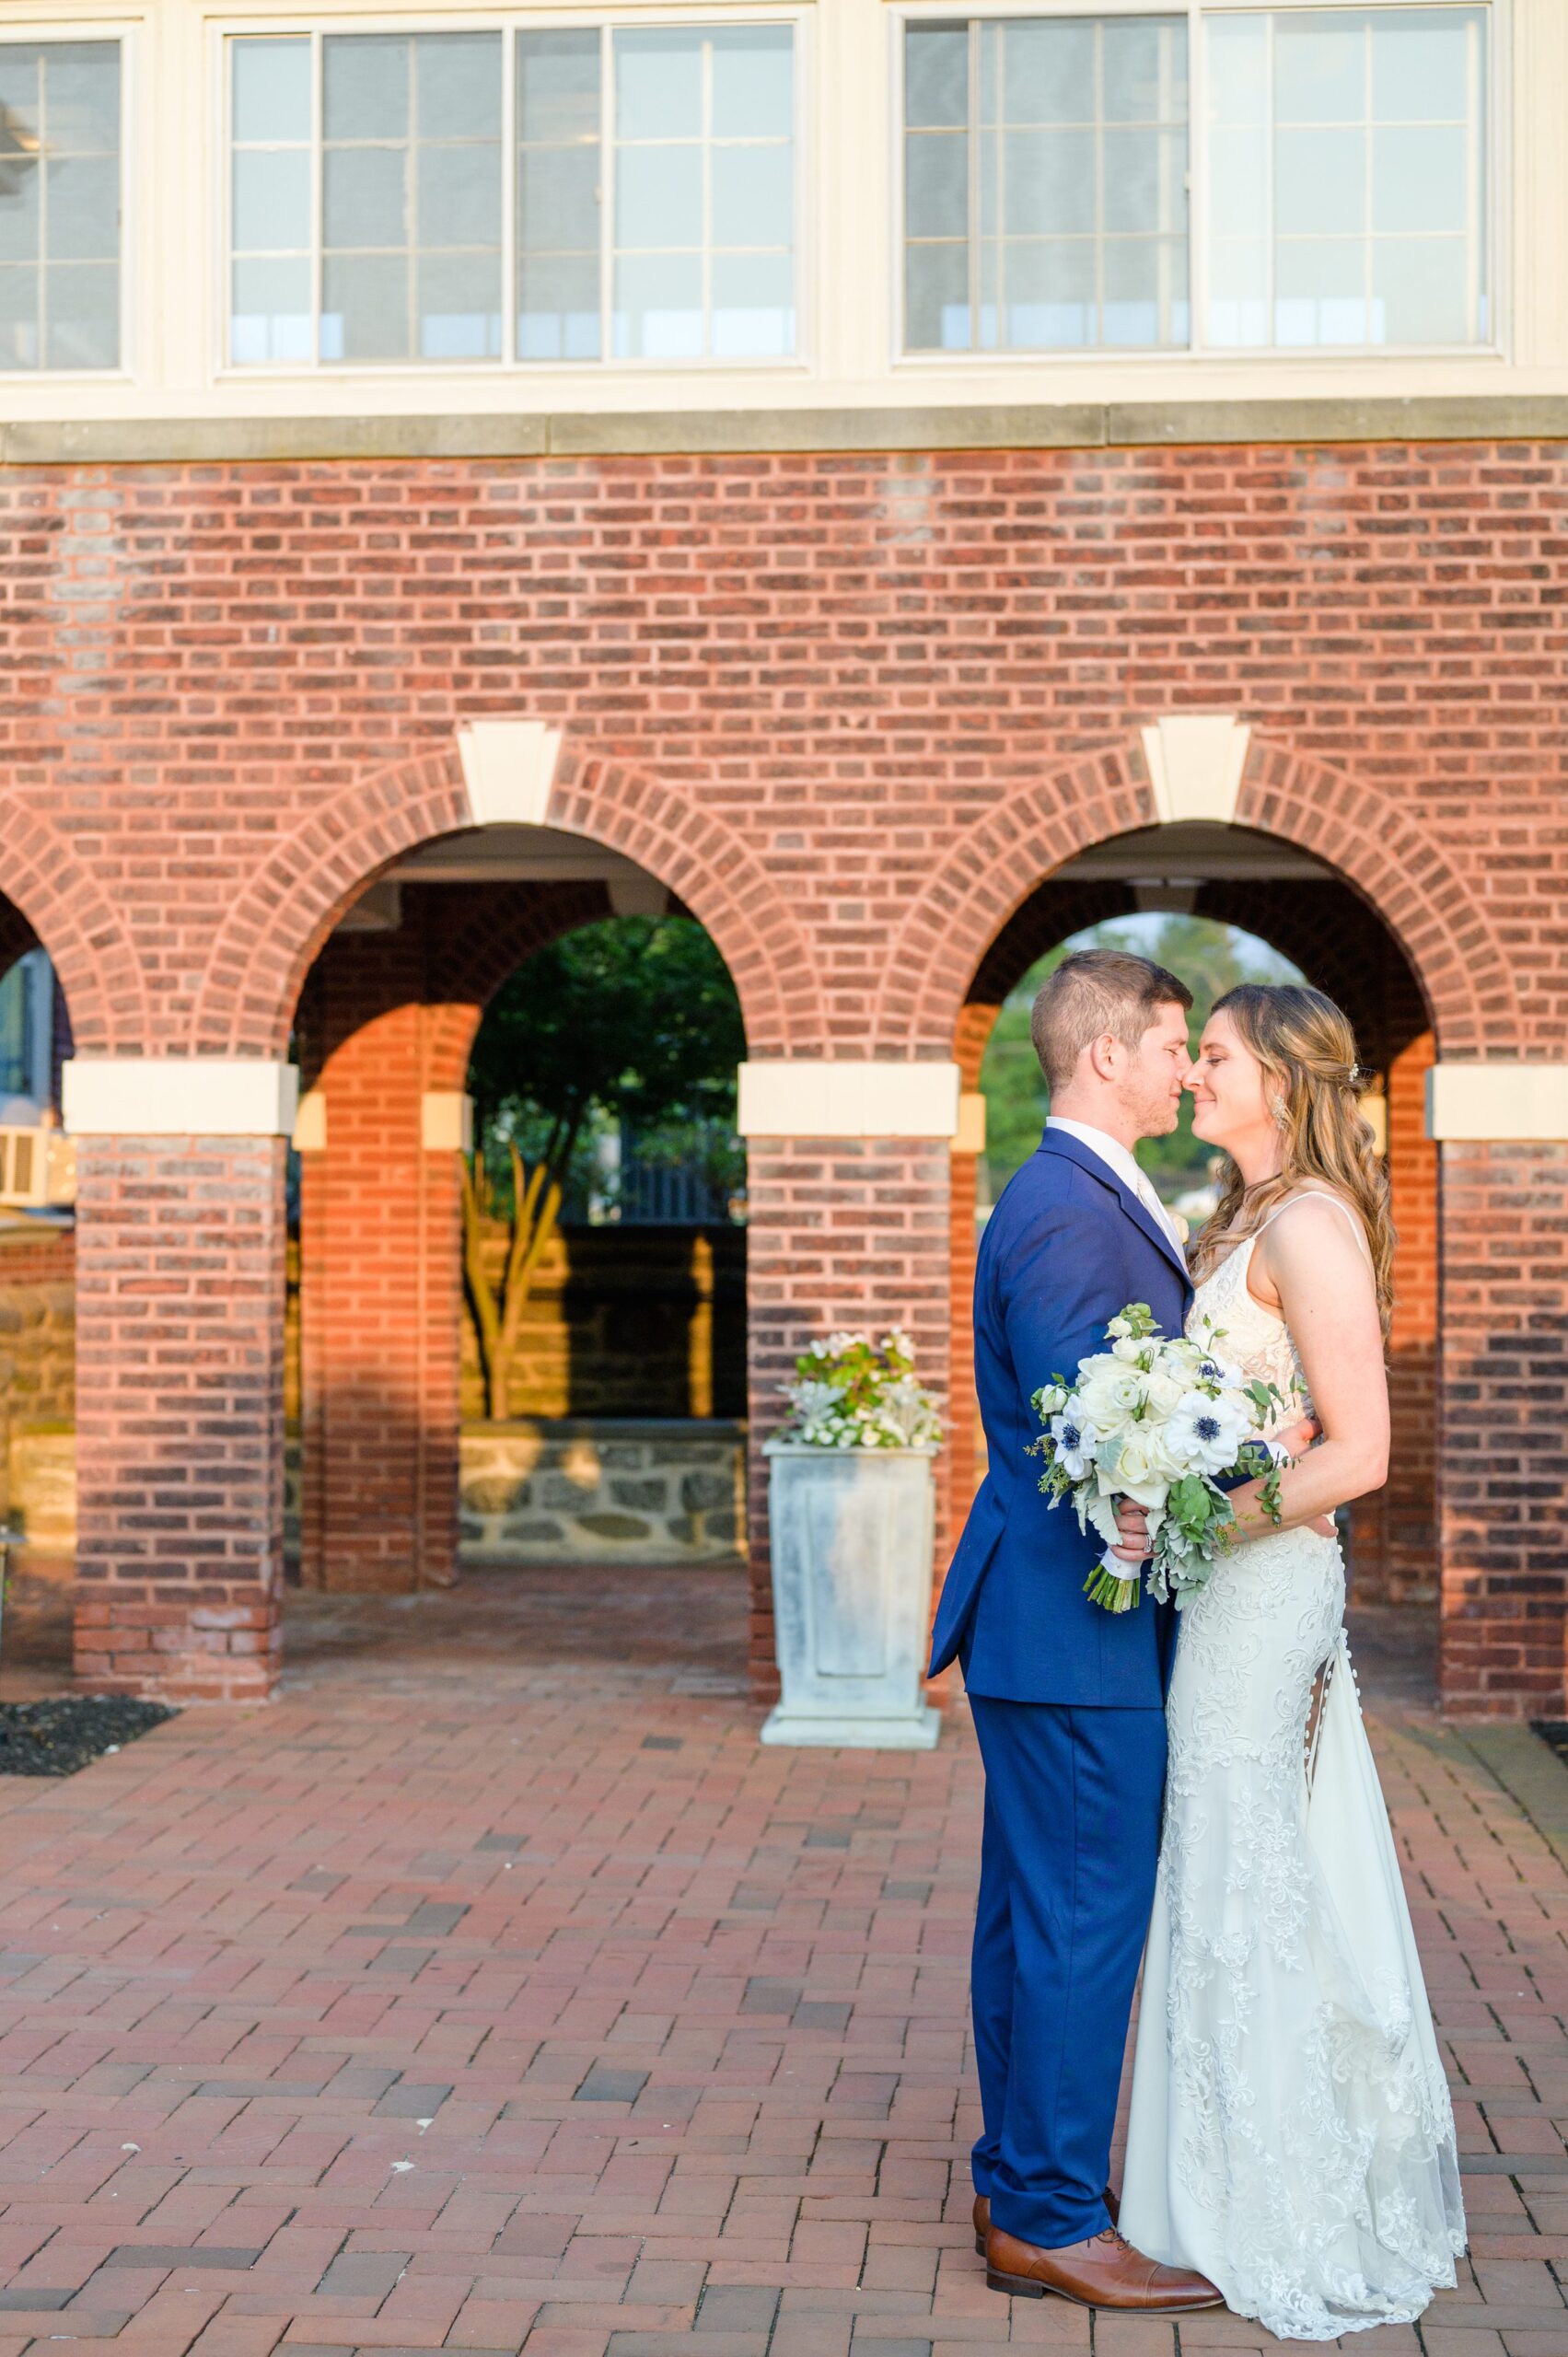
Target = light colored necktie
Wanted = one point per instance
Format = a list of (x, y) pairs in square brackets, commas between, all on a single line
[(1157, 1210)]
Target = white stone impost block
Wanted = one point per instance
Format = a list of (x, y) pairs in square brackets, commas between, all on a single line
[(1195, 763), (198, 1096), (970, 1135), (445, 1121), (310, 1123), (1501, 1102), (847, 1098), (509, 768)]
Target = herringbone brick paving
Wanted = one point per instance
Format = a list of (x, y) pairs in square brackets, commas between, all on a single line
[(496, 1990)]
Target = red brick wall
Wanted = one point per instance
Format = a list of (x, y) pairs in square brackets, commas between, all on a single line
[(850, 709)]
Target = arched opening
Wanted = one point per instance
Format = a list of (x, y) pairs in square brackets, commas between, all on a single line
[(37, 1264), (517, 1324), (1211, 900)]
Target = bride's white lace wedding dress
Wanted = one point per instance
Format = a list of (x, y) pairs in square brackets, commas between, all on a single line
[(1291, 2132)]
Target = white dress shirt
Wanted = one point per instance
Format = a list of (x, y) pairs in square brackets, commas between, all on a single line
[(1124, 1165)]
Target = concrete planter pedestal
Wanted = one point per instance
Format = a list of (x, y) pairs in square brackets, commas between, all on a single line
[(852, 1533)]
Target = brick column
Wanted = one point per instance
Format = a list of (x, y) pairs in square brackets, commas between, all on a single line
[(1409, 1501), (1503, 1362), (179, 1307), (380, 1275), (841, 1231)]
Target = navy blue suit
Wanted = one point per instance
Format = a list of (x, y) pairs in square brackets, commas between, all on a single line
[(1068, 1704)]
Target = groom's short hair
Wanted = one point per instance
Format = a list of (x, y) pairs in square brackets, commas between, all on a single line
[(1094, 991)]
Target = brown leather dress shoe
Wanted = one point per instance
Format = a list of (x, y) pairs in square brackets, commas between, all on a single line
[(982, 2217), (1104, 2272)]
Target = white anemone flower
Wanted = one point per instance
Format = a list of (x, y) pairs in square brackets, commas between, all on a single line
[(1207, 1433), (1075, 1441)]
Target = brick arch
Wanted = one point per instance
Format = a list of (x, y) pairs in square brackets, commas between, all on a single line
[(280, 921), (57, 906), (1393, 866), (508, 923)]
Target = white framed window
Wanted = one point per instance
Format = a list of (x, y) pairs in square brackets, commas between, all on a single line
[(1347, 178), (60, 204), (529, 193), (1045, 184), (1311, 175)]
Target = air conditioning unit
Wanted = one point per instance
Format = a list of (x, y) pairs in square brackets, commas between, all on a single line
[(37, 1166)]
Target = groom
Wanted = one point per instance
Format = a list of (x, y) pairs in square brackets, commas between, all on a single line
[(1068, 1700)]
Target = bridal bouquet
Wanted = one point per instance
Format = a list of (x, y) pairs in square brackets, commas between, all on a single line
[(1162, 1420)]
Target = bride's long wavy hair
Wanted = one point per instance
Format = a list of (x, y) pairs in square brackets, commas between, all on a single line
[(1306, 1048)]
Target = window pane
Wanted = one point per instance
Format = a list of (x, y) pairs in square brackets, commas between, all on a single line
[(753, 83), (271, 200), (83, 82), (82, 208), (1319, 68), (1050, 299), (1048, 70), (658, 196), (936, 76), (364, 308), (1144, 79), (364, 196), (658, 84), (658, 306), (365, 91), (753, 196), (1418, 291), (81, 308), (459, 196), (1418, 178), (558, 307), (459, 307), (1319, 182), (1049, 182), (458, 85), (937, 185), (753, 307), (271, 89), (558, 200), (270, 310), (20, 189), (558, 92), (936, 299), (1348, 148), (18, 316)]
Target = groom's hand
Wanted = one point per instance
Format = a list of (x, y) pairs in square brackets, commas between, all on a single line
[(1132, 1532)]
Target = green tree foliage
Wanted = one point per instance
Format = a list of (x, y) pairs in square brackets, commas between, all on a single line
[(632, 1021), (1209, 958)]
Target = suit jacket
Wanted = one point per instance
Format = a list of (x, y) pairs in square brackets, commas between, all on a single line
[(1066, 1247)]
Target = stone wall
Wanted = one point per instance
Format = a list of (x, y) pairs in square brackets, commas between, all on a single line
[(649, 1491)]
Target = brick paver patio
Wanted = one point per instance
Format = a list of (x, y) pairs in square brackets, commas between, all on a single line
[(496, 1990)]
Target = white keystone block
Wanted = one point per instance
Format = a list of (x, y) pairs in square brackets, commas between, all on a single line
[(1195, 763), (445, 1121), (197, 1096), (970, 1135), (1486, 1103), (508, 768), (814, 1098)]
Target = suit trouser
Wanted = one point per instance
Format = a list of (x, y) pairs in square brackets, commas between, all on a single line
[(1070, 1844)]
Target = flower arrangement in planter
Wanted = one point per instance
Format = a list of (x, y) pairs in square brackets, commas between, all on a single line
[(849, 1507), (849, 1392)]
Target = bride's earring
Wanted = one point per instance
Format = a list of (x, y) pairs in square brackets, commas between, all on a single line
[(1280, 1111)]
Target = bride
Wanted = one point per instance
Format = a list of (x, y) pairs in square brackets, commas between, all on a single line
[(1290, 2134)]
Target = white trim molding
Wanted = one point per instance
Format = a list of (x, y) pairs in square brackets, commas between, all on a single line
[(445, 1121), (1195, 763), (508, 768), (847, 1098), (1497, 1103), (197, 1096)]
